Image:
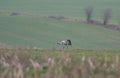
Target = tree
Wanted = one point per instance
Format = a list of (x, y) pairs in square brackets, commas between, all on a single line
[(88, 12), (106, 16)]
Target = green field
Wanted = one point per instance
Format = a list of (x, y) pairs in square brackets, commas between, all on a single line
[(67, 8), (32, 31), (44, 33)]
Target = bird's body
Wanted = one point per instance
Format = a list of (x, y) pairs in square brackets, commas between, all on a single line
[(65, 43)]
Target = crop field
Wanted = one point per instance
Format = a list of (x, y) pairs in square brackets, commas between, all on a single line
[(75, 63), (23, 23), (44, 33), (67, 8)]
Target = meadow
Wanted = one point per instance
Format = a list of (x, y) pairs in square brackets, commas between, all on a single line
[(66, 8), (23, 23), (52, 63), (44, 33)]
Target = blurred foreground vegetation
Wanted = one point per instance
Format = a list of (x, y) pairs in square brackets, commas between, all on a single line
[(75, 63)]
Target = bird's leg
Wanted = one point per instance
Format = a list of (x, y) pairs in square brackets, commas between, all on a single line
[(67, 46), (63, 47)]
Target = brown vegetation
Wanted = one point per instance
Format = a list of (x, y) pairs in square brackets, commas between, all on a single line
[(33, 63)]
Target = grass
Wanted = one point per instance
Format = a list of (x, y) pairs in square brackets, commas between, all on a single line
[(65, 8), (30, 31), (74, 63), (44, 33)]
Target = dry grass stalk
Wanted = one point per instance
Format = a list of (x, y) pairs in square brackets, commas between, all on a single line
[(90, 63), (50, 62), (17, 66), (3, 62), (36, 65), (83, 58), (117, 61)]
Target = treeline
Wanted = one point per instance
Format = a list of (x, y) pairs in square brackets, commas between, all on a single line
[(107, 13)]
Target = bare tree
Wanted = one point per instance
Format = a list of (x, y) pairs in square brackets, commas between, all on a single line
[(88, 12), (106, 16)]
